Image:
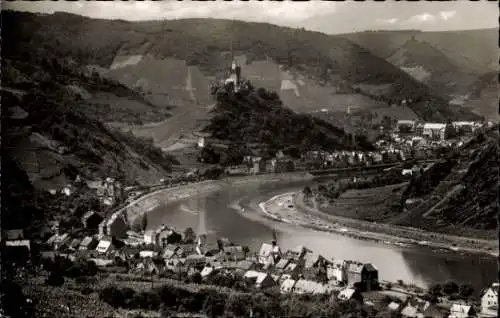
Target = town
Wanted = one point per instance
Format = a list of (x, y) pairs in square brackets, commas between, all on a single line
[(252, 161), (207, 259)]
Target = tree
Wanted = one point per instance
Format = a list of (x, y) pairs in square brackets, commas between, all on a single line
[(450, 288), (307, 191), (246, 250), (435, 290), (189, 235), (144, 222), (174, 238), (466, 290)]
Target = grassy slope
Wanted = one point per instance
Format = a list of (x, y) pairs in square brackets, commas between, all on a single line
[(332, 59)]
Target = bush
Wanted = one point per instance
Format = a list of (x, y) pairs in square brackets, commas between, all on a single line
[(450, 288)]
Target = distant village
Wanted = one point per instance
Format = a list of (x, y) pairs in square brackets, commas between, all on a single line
[(408, 140)]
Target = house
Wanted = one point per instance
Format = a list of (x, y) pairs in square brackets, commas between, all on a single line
[(303, 286), (186, 249), (202, 142), (176, 265), (258, 165), (432, 311), (208, 244), (245, 265), (282, 165), (148, 254), (415, 308), (283, 263), (210, 269), (150, 266), (406, 126), (411, 312), (58, 241), (464, 126), (195, 260), (91, 220), (350, 293), (150, 237), (269, 254), (393, 306), (262, 280), (337, 271), (233, 253), (168, 236), (362, 276), (75, 243), (287, 286), (116, 225), (171, 251), (11, 235), (295, 268), (105, 245), (489, 300), (315, 260), (434, 131), (88, 243), (461, 311), (101, 262), (17, 250), (298, 252)]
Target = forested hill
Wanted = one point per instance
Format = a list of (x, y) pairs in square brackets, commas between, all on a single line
[(257, 116)]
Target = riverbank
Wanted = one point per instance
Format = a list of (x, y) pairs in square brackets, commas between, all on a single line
[(387, 233), (290, 208), (150, 201)]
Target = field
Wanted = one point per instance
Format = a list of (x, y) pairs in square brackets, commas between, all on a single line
[(368, 204)]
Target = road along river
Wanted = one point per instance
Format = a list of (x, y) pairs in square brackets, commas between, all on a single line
[(221, 212)]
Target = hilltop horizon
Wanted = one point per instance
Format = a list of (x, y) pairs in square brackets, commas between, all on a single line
[(324, 17)]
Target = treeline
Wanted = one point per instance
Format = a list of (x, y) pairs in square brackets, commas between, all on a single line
[(221, 303)]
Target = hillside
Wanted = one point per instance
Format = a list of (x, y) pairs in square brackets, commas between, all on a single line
[(484, 97), (472, 50), (449, 62), (145, 55), (458, 194), (53, 134), (257, 116), (432, 67)]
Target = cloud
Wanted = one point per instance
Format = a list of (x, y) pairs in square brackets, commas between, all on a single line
[(422, 18), (265, 11), (388, 21), (446, 15), (323, 16)]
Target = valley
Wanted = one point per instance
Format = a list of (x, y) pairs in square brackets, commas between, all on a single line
[(185, 166)]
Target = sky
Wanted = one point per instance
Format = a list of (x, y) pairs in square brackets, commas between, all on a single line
[(316, 15)]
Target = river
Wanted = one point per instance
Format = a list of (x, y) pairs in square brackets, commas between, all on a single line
[(418, 265)]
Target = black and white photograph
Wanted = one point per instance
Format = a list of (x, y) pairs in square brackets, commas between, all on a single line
[(249, 159)]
